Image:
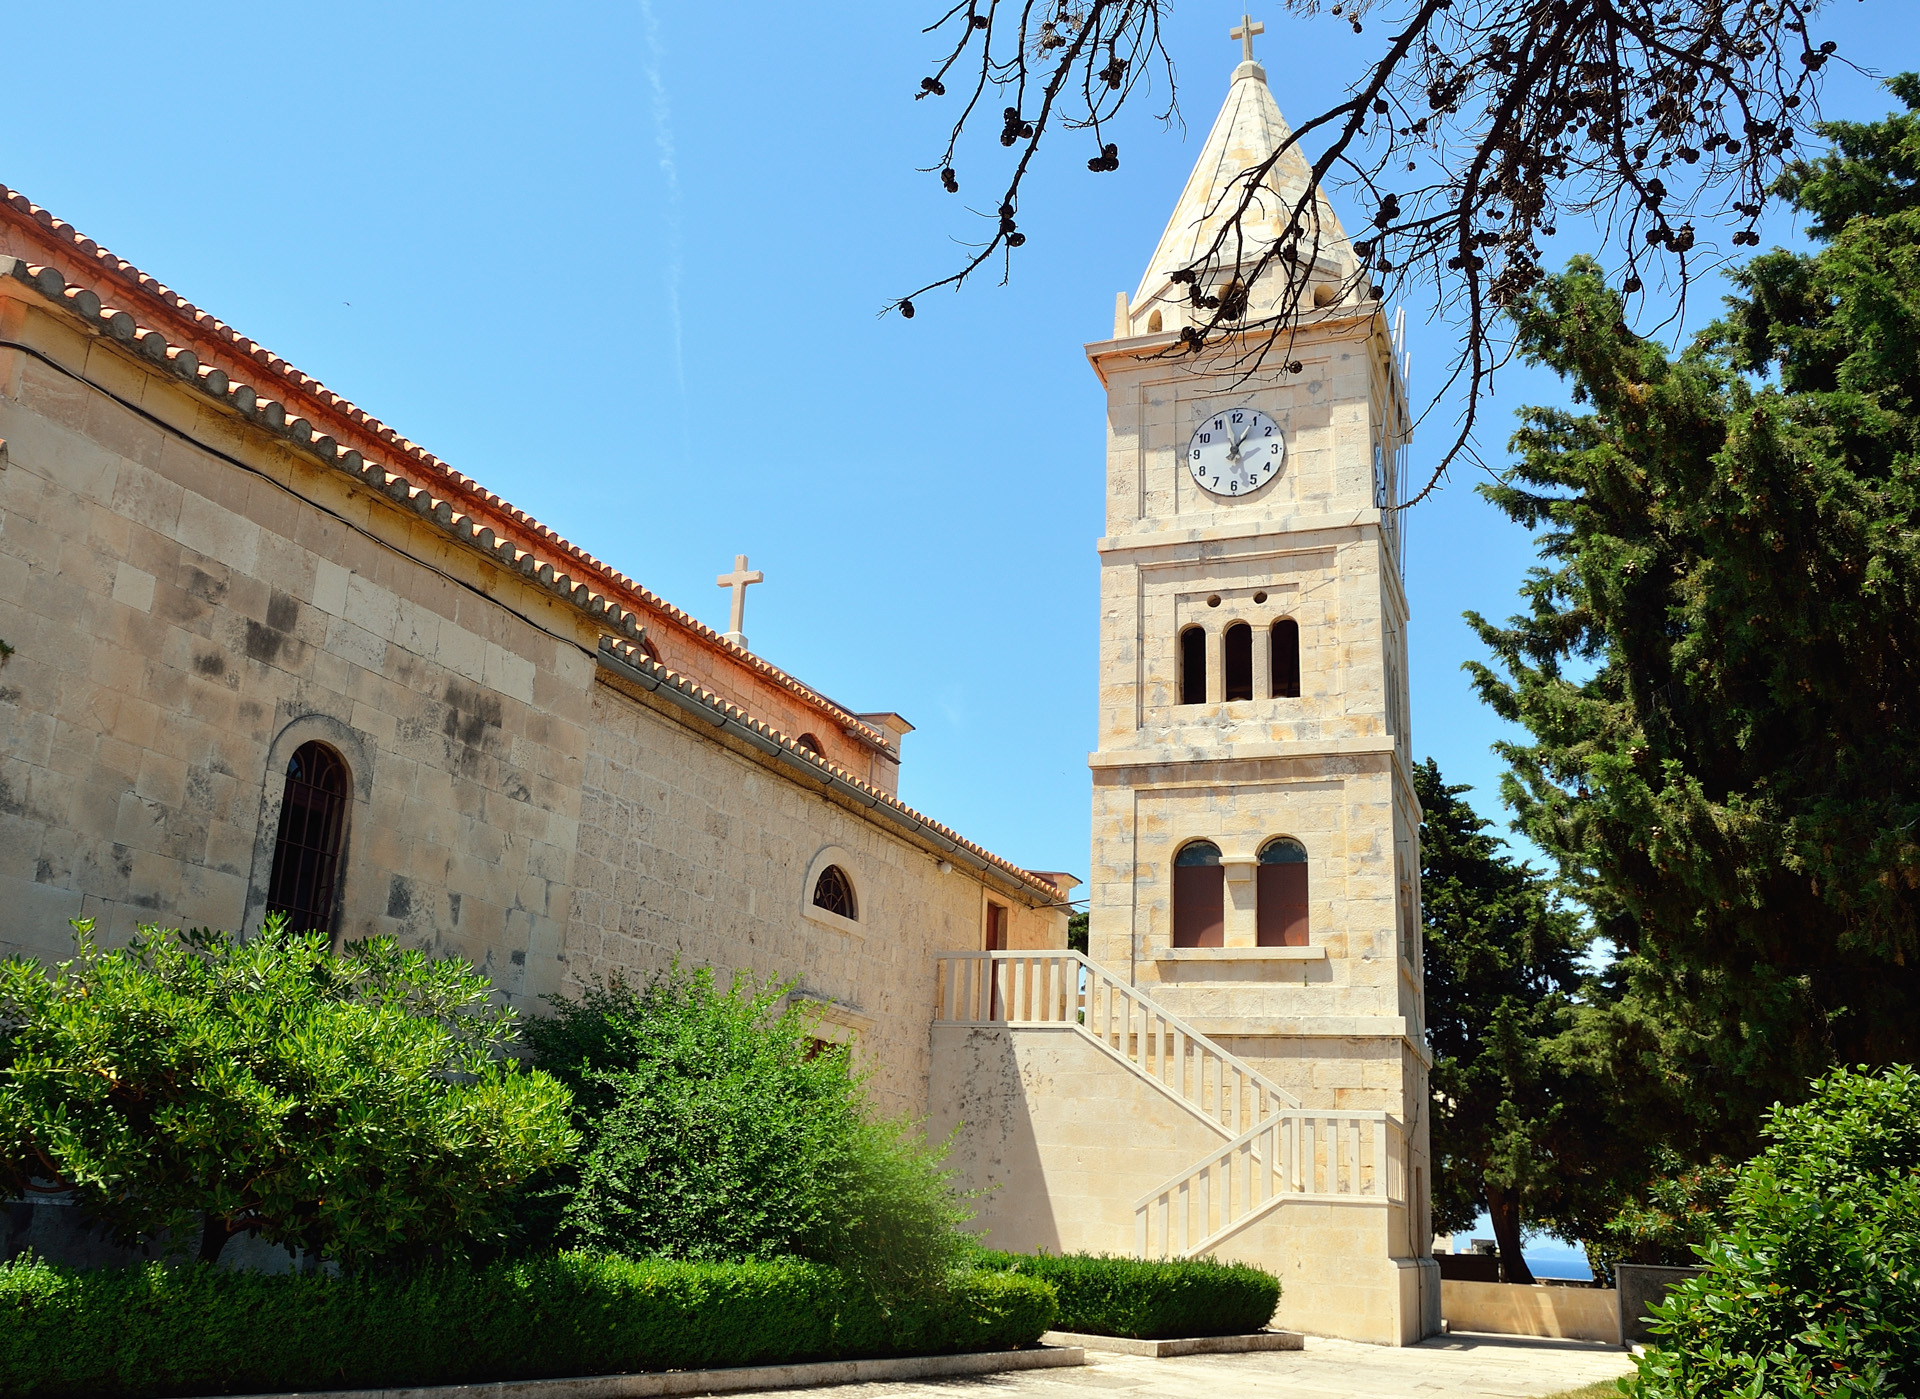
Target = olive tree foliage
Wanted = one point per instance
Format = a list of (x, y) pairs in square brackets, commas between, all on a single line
[(194, 1087), (1480, 126)]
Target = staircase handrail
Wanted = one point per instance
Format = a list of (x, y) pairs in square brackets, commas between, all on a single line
[(1082, 1000)]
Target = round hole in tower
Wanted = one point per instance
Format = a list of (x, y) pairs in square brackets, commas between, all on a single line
[(1214, 601), (1259, 597), (1324, 294)]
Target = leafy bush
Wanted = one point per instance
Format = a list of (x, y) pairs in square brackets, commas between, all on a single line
[(195, 1086), (1814, 1289), (200, 1330), (717, 1129), (1101, 1295)]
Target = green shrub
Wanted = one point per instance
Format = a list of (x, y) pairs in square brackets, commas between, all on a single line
[(1102, 1295), (201, 1330), (716, 1129), (1814, 1289), (354, 1105)]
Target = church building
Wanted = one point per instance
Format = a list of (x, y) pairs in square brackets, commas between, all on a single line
[(265, 653)]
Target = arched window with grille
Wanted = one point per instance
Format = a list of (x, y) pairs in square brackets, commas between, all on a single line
[(833, 891), (1237, 657), (1281, 894), (1193, 666), (313, 830), (1199, 896), (1286, 659)]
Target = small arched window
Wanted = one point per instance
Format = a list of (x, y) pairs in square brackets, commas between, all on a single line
[(1281, 894), (1286, 659), (1237, 655), (313, 827), (1193, 666), (810, 743), (833, 891), (1199, 896)]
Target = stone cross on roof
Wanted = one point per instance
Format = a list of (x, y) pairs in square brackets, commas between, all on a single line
[(1244, 32), (738, 581)]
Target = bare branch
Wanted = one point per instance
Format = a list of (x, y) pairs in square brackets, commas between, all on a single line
[(1481, 126)]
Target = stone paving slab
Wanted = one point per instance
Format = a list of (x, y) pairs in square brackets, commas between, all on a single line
[(1446, 1367)]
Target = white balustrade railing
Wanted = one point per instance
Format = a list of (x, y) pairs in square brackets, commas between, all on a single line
[(1064, 988), (1299, 1154)]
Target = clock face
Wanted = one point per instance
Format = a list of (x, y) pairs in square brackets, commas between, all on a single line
[(1236, 452)]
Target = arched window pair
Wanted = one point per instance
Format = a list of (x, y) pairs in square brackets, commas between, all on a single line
[(1236, 647), (312, 837), (1280, 894)]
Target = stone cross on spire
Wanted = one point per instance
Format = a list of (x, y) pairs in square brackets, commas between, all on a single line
[(738, 581), (1244, 32)]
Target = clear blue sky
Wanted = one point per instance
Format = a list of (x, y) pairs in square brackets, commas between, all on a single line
[(622, 265)]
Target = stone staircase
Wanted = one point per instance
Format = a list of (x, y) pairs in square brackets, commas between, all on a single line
[(1273, 1149)]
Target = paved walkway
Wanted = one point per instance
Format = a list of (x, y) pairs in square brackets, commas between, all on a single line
[(1446, 1367)]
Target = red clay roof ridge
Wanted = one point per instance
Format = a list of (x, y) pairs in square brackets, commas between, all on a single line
[(176, 307)]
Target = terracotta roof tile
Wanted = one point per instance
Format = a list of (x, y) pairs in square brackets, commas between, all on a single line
[(507, 521), (326, 426)]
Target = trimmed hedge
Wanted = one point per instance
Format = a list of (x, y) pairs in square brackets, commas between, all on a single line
[(156, 1330), (1103, 1295)]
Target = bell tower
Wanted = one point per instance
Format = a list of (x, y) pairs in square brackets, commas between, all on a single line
[(1255, 861)]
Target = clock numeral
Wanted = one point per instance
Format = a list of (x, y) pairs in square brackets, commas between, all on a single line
[(1206, 437), (1196, 454), (1269, 431), (1239, 417), (1234, 486), (1219, 425), (1216, 480), (1274, 450)]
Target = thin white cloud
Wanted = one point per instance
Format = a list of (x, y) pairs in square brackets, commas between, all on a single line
[(669, 168)]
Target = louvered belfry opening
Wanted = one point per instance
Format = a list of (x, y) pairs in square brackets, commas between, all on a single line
[(1281, 894), (1199, 896), (313, 823)]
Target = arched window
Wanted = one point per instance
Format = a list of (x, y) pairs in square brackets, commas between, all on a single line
[(1237, 648), (833, 891), (1154, 323), (313, 825), (1286, 659), (1199, 896), (1193, 666), (1282, 894), (810, 743)]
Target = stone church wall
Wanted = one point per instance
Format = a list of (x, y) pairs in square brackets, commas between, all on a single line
[(694, 851), (189, 600)]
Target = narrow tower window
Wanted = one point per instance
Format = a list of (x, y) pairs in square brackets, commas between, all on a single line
[(833, 891), (1199, 896), (1193, 666), (313, 824), (1239, 661), (996, 927), (1281, 894), (1286, 659)]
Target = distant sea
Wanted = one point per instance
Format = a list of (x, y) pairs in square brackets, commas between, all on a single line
[(1548, 1258)]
